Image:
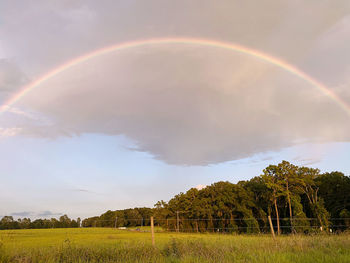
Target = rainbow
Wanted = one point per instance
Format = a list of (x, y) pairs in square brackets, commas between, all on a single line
[(186, 41)]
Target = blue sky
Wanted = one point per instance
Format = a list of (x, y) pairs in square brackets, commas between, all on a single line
[(131, 128), (86, 175)]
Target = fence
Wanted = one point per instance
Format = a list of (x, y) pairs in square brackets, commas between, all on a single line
[(229, 225), (240, 225)]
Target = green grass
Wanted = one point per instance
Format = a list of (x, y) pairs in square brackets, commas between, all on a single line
[(110, 245)]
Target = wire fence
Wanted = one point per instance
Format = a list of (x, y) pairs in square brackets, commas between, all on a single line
[(228, 225)]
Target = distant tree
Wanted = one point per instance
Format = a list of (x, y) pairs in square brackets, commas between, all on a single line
[(7, 222), (54, 223), (65, 221), (24, 223), (132, 217), (107, 219)]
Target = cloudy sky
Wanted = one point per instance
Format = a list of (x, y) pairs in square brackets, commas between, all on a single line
[(138, 125)]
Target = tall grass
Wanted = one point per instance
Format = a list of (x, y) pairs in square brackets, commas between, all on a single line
[(108, 245)]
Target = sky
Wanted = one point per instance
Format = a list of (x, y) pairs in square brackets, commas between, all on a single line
[(137, 125)]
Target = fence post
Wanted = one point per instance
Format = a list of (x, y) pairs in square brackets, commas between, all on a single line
[(152, 231), (177, 221), (271, 226)]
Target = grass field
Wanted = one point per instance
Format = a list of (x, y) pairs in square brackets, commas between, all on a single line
[(110, 245)]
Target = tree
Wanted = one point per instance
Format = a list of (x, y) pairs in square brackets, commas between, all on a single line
[(7, 222), (287, 174), (24, 223), (345, 216), (309, 187), (64, 221), (270, 178), (334, 189)]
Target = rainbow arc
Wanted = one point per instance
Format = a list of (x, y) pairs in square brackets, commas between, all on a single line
[(185, 41)]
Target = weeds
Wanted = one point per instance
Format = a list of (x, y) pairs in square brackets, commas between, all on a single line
[(97, 246)]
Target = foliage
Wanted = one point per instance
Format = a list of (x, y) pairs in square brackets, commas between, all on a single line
[(7, 222), (120, 218), (297, 198)]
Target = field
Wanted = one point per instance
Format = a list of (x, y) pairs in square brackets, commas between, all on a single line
[(111, 245)]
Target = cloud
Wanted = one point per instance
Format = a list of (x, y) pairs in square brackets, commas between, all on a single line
[(81, 190), (9, 132), (311, 162), (307, 161), (48, 213), (84, 191), (200, 186), (32, 214), (11, 77), (312, 154), (43, 36), (23, 113), (186, 105), (23, 214)]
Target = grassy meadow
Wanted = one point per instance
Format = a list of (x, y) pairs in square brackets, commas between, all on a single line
[(111, 245)]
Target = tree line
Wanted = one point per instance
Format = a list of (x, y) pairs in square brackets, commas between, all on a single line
[(8, 222), (297, 198), (130, 217)]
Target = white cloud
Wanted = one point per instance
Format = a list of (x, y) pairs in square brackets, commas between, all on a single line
[(22, 113), (184, 105), (200, 186), (9, 132), (188, 105)]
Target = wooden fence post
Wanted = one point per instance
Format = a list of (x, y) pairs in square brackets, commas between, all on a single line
[(177, 221), (152, 231)]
